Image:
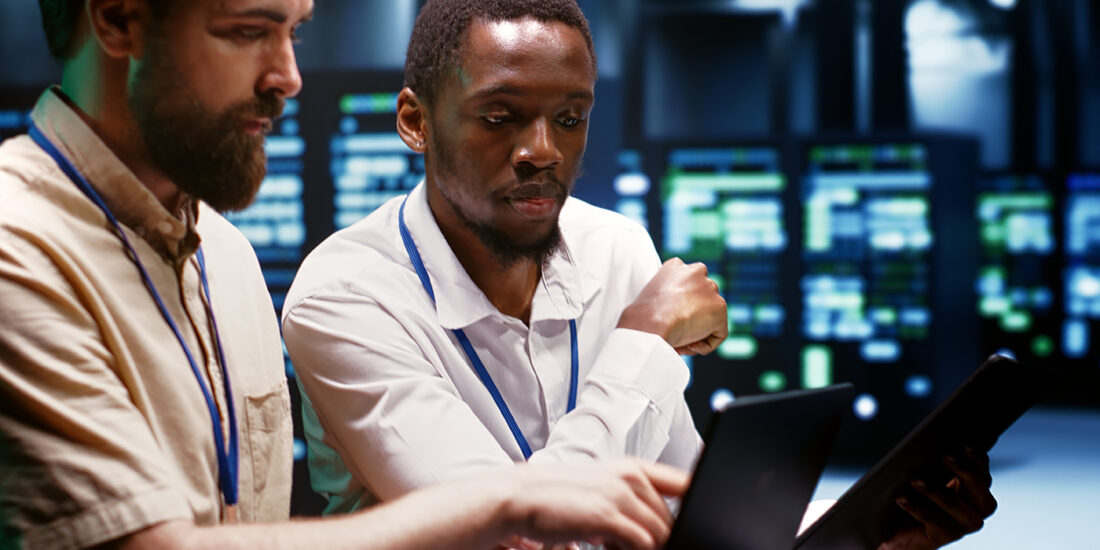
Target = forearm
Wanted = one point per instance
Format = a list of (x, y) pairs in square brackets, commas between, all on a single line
[(439, 518), (627, 404)]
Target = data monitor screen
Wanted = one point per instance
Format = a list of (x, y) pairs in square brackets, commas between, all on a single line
[(1018, 280)]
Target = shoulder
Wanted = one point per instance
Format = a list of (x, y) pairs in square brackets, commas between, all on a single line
[(218, 234), (39, 207), (365, 258), (586, 227)]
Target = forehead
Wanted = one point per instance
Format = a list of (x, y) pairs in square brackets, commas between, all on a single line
[(291, 11), (525, 52)]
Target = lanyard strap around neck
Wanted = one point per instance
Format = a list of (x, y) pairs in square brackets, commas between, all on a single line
[(468, 348), (227, 458)]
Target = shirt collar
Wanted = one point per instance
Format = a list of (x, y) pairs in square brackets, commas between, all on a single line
[(562, 292), (129, 200)]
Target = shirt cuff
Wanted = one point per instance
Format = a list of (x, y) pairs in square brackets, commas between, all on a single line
[(645, 361), (110, 520)]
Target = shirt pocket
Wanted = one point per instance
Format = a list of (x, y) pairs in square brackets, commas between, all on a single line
[(269, 435)]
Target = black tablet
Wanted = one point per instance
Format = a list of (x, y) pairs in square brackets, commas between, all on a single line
[(974, 415), (759, 469)]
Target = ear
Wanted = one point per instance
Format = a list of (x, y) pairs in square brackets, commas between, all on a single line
[(119, 26), (412, 120)]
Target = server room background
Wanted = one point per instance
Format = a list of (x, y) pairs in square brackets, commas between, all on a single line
[(886, 191)]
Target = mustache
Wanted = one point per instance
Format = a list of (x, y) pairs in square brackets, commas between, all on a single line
[(266, 105), (547, 187), (534, 184)]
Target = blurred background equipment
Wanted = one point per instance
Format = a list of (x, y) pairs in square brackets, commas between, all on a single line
[(886, 191)]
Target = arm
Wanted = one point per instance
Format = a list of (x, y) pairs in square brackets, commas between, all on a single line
[(615, 503), (79, 460), (372, 391)]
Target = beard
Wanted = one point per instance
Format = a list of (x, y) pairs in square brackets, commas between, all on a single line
[(506, 248), (207, 154)]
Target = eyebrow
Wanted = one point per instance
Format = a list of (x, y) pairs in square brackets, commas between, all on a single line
[(511, 90), (272, 15)]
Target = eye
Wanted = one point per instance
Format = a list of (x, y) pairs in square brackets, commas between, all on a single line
[(569, 122), (250, 33), (495, 119)]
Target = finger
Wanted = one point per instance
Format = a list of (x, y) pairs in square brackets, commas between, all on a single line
[(974, 480), (623, 532), (686, 350), (938, 528), (649, 495), (667, 480), (961, 514), (702, 347)]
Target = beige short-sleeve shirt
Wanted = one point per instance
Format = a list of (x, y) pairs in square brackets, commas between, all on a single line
[(103, 427)]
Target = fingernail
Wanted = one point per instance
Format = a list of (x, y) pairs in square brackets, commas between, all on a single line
[(918, 483), (949, 459), (902, 501)]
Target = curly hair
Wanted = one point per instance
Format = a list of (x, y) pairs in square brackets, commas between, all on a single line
[(60, 17), (442, 24)]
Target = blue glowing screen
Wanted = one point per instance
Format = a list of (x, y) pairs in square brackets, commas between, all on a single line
[(867, 241)]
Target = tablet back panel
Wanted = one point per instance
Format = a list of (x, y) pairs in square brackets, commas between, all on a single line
[(760, 467), (974, 415)]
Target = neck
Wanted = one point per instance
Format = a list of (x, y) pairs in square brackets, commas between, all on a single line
[(98, 94), (511, 288)]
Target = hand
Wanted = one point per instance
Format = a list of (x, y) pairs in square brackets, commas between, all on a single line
[(947, 513), (681, 305), (617, 504)]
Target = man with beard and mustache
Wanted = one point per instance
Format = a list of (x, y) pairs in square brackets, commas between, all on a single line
[(142, 393), (488, 319)]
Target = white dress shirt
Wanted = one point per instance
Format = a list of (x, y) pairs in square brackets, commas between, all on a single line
[(394, 404)]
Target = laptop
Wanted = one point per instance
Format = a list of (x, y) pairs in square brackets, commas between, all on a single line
[(761, 464)]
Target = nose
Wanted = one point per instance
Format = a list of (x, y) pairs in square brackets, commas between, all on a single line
[(537, 145), (281, 76)]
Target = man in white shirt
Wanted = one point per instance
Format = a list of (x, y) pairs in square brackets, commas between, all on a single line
[(487, 318), (396, 402)]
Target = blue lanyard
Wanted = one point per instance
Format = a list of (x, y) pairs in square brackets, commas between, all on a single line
[(467, 347), (227, 459)]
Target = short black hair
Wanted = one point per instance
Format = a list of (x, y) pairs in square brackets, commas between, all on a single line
[(442, 24), (60, 17)]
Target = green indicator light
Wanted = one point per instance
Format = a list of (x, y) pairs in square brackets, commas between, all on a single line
[(347, 103), (884, 315), (772, 381), (993, 234), (383, 103), (817, 367), (992, 306), (1042, 345), (1015, 321), (737, 347), (706, 224), (994, 271)]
